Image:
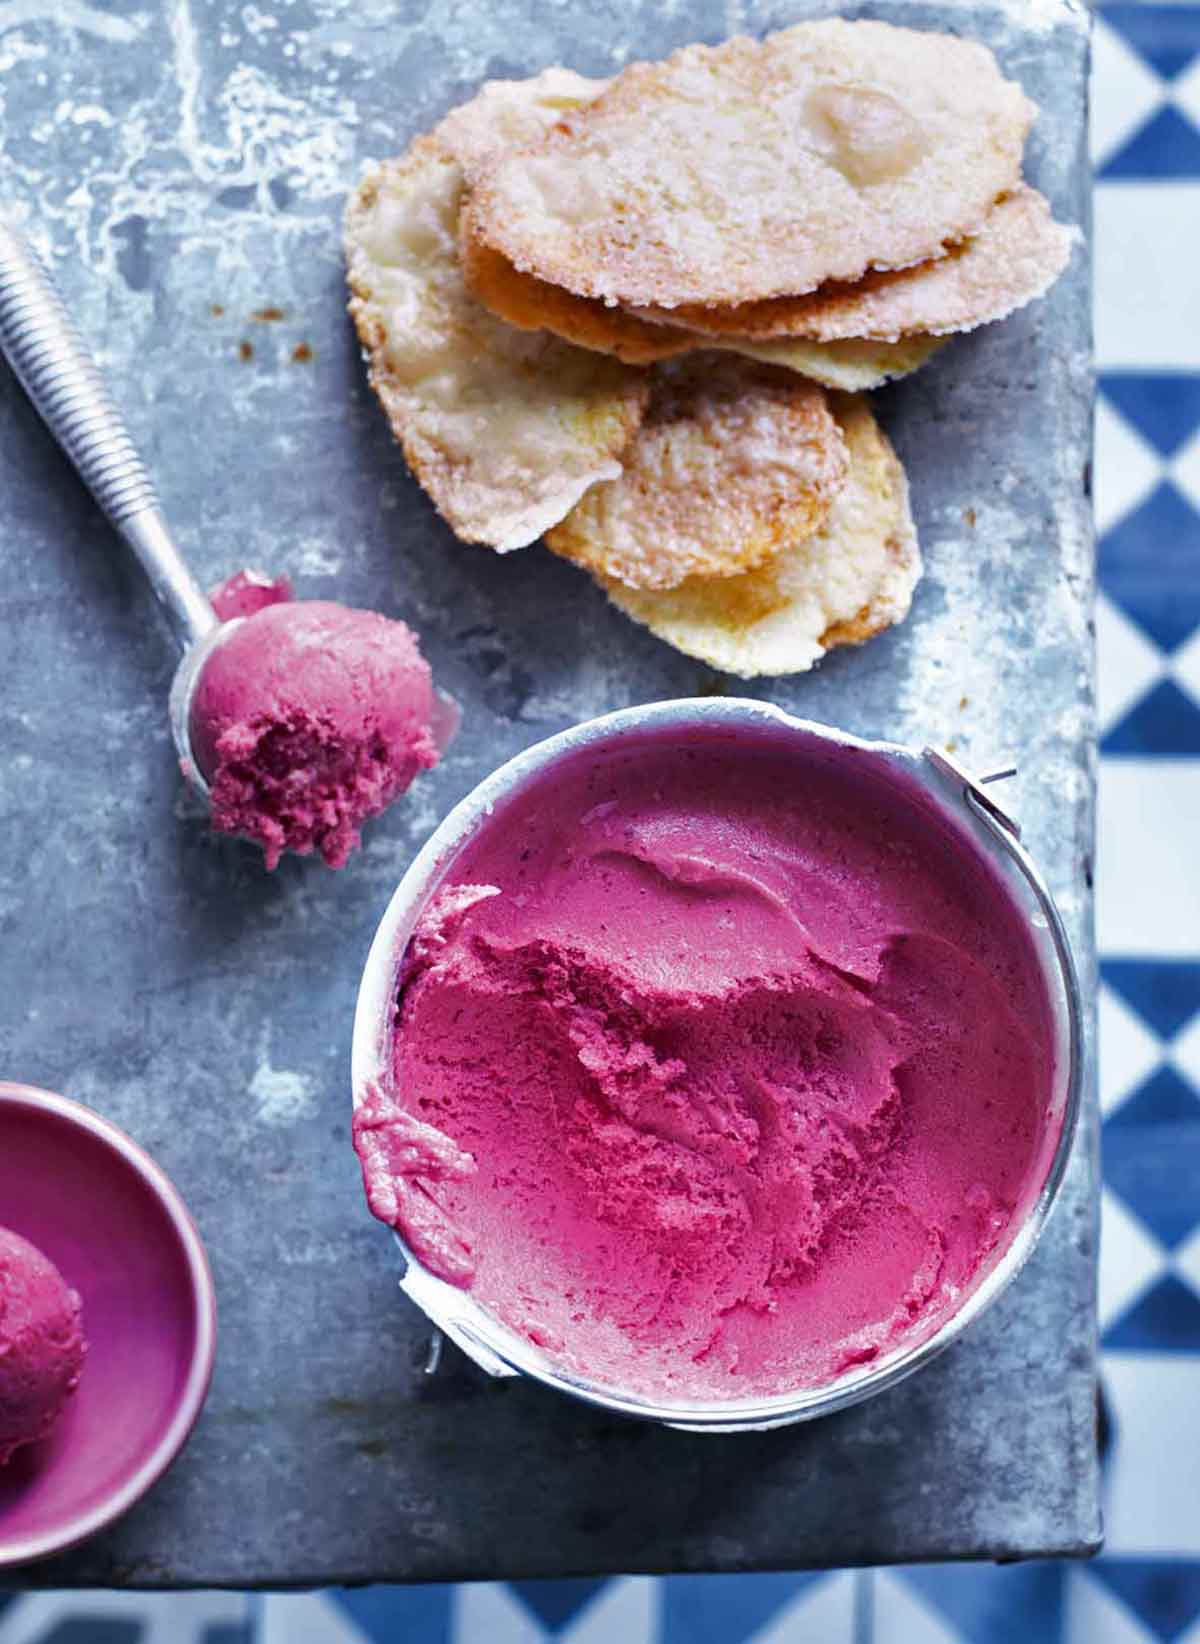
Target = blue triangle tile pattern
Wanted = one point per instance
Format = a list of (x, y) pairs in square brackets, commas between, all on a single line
[(1165, 1594), (1149, 566), (557, 1603), (1148, 1165), (1164, 406), (424, 1613), (1165, 993), (1165, 722), (1168, 145), (1164, 1320), (1166, 37), (714, 1609), (1165, 1098), (981, 1603)]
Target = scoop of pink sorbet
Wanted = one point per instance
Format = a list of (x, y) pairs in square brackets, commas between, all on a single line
[(308, 718), (41, 1343)]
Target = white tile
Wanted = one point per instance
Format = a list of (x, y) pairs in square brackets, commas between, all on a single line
[(1125, 91), (1146, 302), (1096, 1616), (903, 1617), (1185, 1053), (488, 1613), (1128, 1050), (305, 1618), (1153, 1479), (172, 1618), (1127, 467), (1147, 886), (626, 1610), (1127, 663), (821, 1614), (1131, 1258)]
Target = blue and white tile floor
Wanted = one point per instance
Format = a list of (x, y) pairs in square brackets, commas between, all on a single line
[(1146, 1587)]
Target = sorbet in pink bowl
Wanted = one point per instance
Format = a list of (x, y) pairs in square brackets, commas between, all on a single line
[(42, 1345), (118, 1259)]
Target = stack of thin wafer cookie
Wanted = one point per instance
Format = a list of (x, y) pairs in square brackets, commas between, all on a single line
[(638, 317)]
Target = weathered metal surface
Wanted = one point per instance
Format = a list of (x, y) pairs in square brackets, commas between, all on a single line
[(185, 166)]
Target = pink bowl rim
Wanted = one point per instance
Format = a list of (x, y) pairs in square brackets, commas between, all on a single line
[(204, 1301)]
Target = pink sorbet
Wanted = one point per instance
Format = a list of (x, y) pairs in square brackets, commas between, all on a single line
[(41, 1343), (248, 591), (717, 1070), (309, 718)]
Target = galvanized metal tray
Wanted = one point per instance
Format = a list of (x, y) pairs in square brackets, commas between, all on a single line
[(186, 168)]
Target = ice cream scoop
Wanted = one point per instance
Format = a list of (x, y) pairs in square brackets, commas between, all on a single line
[(41, 1343), (308, 719), (58, 373)]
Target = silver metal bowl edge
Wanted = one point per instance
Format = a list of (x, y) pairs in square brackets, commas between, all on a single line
[(982, 822)]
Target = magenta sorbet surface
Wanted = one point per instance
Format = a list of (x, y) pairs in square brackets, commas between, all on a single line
[(717, 1069), (41, 1343), (308, 719), (248, 591)]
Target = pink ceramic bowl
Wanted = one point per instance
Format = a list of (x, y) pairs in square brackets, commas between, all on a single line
[(111, 1221)]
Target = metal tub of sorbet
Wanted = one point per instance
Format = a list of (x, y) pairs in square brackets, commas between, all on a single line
[(931, 778)]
